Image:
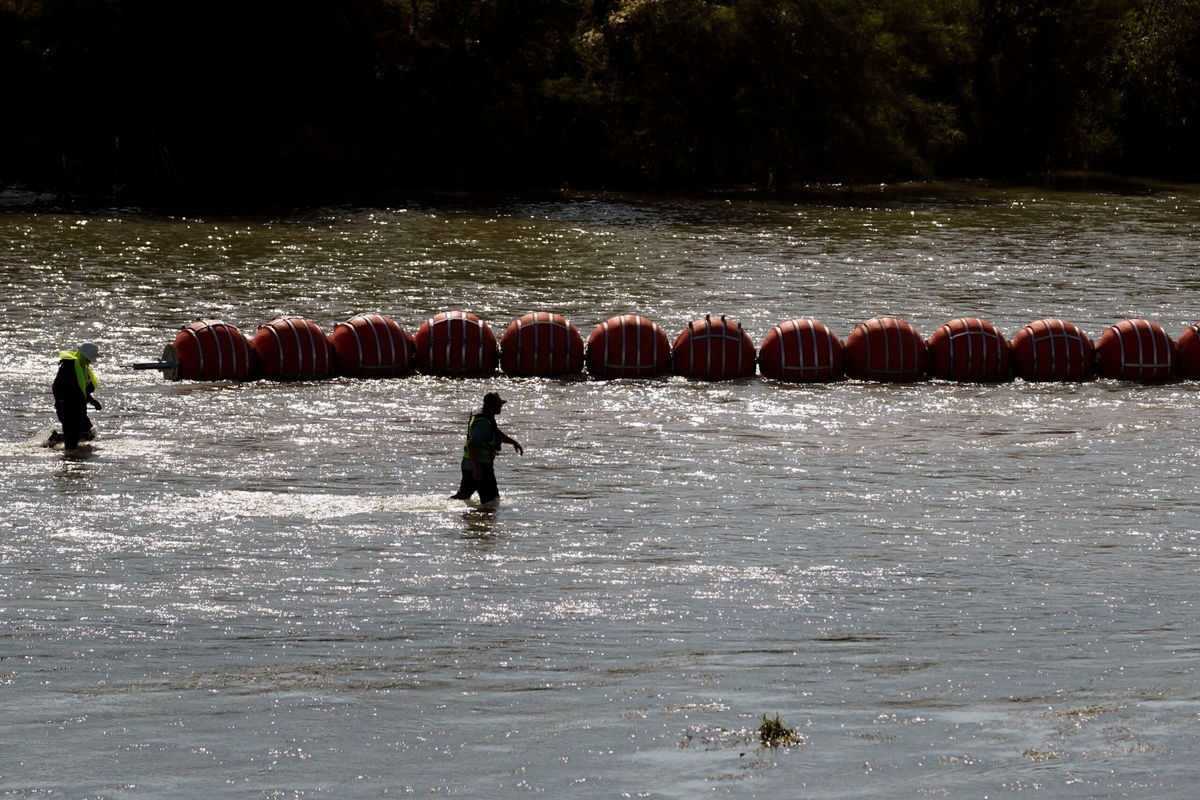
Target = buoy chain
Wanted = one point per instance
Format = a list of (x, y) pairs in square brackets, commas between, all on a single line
[(631, 345)]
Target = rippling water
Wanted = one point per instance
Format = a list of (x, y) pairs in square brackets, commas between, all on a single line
[(260, 590)]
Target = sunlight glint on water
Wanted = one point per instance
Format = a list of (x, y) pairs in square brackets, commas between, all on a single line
[(261, 590)]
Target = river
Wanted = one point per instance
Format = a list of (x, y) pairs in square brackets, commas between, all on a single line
[(261, 590)]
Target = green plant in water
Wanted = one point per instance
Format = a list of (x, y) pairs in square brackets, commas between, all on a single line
[(773, 733)]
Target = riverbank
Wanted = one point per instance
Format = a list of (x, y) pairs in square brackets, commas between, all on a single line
[(21, 198)]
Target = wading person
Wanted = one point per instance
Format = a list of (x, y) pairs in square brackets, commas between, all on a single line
[(73, 387), (484, 438)]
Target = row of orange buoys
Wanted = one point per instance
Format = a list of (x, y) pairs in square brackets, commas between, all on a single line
[(545, 344)]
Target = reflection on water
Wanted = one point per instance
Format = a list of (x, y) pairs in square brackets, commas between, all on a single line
[(967, 590)]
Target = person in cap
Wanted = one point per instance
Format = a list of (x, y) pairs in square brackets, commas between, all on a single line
[(73, 388), (484, 438)]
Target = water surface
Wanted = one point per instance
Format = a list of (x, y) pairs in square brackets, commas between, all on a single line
[(261, 590)]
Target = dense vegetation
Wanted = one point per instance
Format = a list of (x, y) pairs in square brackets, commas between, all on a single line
[(314, 99)]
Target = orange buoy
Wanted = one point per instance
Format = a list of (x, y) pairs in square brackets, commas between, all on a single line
[(1188, 350), (456, 343), (969, 349), (1052, 350), (628, 346), (1135, 350), (885, 349), (373, 346), (713, 351), (541, 344), (208, 350), (801, 350), (292, 349)]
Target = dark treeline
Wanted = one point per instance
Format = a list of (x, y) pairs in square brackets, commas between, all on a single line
[(185, 100)]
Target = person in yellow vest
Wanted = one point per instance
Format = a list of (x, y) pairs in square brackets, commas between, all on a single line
[(73, 388), (484, 438)]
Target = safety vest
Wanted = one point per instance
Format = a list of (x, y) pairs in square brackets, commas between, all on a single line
[(83, 369), (488, 449)]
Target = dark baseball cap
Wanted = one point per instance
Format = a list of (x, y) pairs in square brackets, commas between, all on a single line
[(493, 399)]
